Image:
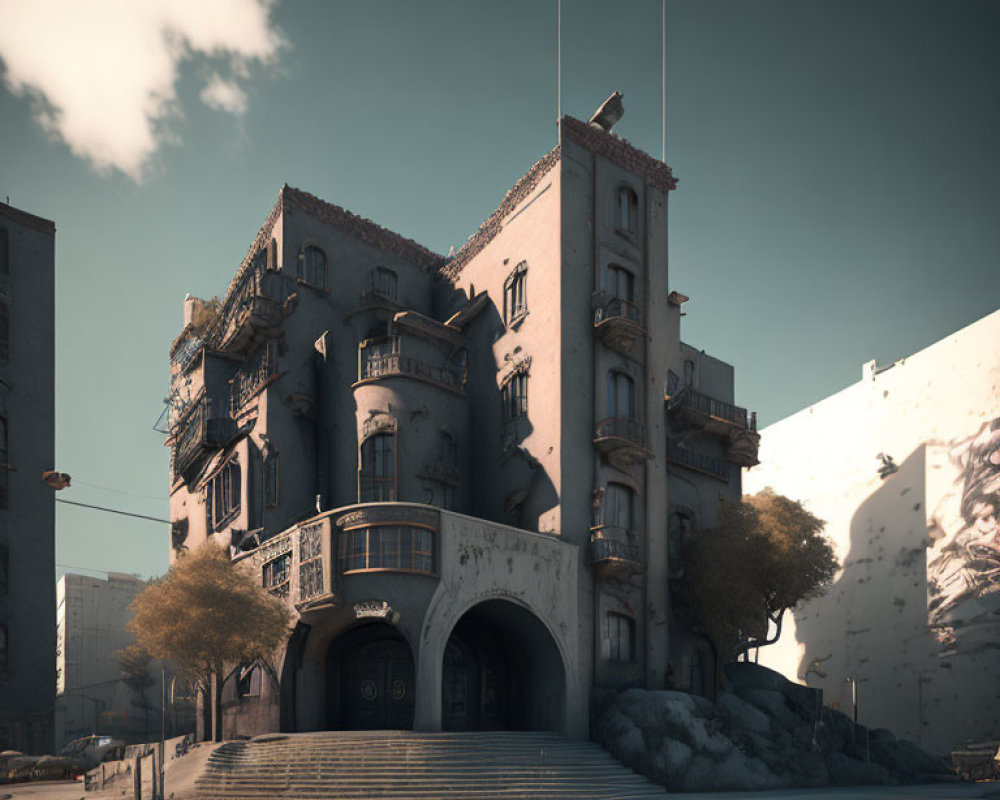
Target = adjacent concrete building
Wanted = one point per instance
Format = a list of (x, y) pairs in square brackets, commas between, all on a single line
[(469, 476), (93, 694), (27, 508), (905, 468)]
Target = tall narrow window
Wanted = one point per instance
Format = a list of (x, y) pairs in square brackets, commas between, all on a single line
[(619, 501), (271, 480), (383, 282), (689, 372), (628, 210), (4, 330), (312, 268), (4, 466), (620, 400), (619, 282), (4, 252), (515, 297), (378, 469), (621, 637), (226, 492), (514, 397)]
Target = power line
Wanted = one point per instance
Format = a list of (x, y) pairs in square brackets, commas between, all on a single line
[(112, 511), (77, 481)]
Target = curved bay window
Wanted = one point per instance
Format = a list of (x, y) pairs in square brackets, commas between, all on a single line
[(312, 266), (388, 548), (377, 477), (620, 396)]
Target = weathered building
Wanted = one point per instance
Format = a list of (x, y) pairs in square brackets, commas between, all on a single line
[(93, 693), (905, 468), (27, 508), (469, 476)]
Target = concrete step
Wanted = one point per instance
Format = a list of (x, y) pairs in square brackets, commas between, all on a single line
[(403, 764)]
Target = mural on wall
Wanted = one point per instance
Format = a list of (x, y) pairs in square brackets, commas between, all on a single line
[(963, 565)]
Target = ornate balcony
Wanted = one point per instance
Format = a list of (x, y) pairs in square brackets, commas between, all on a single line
[(699, 462), (622, 440), (252, 310), (613, 553), (617, 321), (733, 423), (205, 427), (376, 363), (253, 376)]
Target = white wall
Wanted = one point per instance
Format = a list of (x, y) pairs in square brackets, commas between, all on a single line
[(938, 685)]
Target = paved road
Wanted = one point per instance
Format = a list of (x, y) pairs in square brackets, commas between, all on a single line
[(44, 790)]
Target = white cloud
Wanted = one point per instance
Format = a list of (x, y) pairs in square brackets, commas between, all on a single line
[(224, 95), (104, 72)]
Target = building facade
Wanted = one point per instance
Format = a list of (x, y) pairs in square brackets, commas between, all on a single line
[(905, 468), (469, 476), (93, 693), (27, 507)]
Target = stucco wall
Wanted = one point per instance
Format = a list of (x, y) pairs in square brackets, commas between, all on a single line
[(935, 687)]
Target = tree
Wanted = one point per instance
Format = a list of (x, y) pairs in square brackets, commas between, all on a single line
[(207, 612), (133, 666), (765, 555)]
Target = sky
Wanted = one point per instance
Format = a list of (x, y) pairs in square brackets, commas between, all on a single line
[(837, 168)]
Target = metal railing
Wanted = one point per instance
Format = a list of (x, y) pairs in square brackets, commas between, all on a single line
[(389, 365), (699, 461), (252, 376), (617, 308), (611, 550), (696, 401), (205, 424), (628, 428)]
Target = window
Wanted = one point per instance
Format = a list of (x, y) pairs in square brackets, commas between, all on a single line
[(628, 210), (312, 267), (620, 400), (398, 548), (4, 465), (514, 397), (515, 301), (276, 573), (621, 637), (4, 252), (619, 501), (248, 684), (225, 493), (271, 480), (619, 282), (440, 494), (383, 282), (4, 330), (689, 372), (310, 561), (378, 469)]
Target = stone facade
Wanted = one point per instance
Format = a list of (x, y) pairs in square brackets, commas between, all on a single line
[(905, 468), (470, 476), (27, 508)]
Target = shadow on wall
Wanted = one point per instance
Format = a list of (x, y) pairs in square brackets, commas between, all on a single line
[(869, 632)]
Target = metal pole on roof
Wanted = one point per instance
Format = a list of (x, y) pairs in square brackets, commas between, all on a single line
[(663, 156), (559, 69)]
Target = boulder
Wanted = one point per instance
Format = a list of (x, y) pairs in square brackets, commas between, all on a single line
[(847, 771)]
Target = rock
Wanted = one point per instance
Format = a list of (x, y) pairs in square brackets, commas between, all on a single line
[(847, 771), (743, 713), (735, 772), (773, 703)]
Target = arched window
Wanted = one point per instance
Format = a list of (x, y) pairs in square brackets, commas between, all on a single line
[(689, 372), (514, 397), (628, 210), (515, 304), (383, 282), (4, 330), (619, 503), (312, 267), (620, 395), (378, 469)]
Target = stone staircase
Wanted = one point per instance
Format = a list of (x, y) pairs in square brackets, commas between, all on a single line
[(402, 764)]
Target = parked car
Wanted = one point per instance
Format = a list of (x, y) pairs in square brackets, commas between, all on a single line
[(19, 768), (54, 768), (977, 762), (89, 751)]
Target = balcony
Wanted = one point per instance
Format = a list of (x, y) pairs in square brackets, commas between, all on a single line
[(622, 440), (253, 376), (699, 462), (733, 423), (205, 427), (374, 363), (617, 322), (252, 311), (612, 553)]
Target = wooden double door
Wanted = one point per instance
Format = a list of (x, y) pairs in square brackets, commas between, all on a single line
[(375, 679)]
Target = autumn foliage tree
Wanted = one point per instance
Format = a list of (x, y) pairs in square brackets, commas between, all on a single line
[(765, 555), (205, 613)]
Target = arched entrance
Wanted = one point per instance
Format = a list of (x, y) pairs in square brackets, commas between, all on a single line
[(370, 680), (502, 671)]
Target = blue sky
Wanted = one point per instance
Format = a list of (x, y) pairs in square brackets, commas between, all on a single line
[(837, 164)]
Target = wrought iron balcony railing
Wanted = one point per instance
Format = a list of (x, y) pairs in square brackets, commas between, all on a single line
[(617, 308), (625, 428), (205, 426), (381, 365), (700, 462), (251, 377), (604, 550), (688, 399)]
